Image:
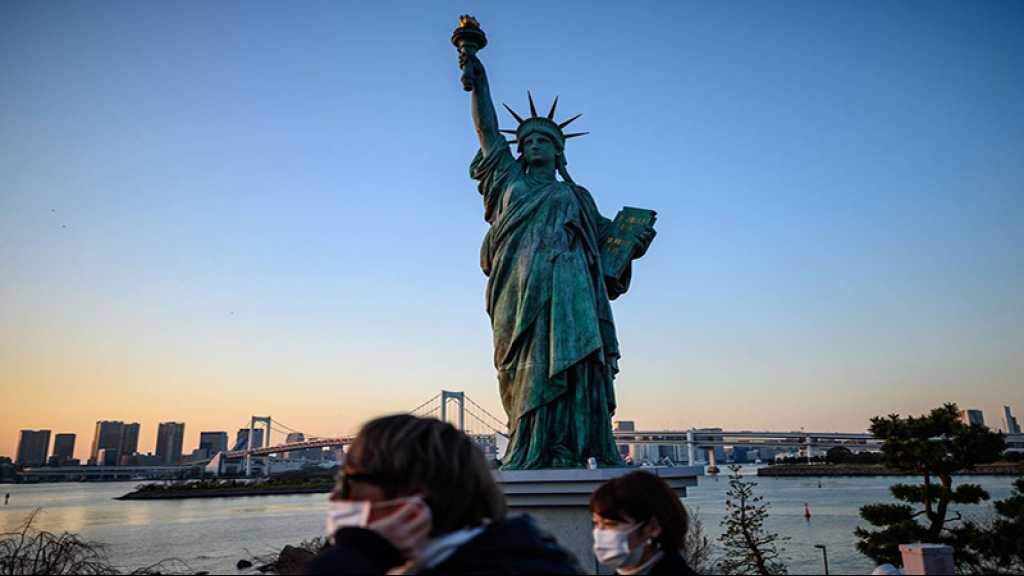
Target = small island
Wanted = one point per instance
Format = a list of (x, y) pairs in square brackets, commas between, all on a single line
[(305, 482)]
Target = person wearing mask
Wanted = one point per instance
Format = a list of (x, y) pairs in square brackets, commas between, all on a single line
[(639, 526), (416, 496)]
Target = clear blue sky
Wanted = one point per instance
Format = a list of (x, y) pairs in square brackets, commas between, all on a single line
[(210, 210)]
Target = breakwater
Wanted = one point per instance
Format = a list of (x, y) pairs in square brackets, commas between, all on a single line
[(813, 470)]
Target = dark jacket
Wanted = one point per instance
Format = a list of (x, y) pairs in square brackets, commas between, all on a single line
[(671, 564), (512, 546)]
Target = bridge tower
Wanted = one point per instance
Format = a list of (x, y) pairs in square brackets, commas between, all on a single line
[(460, 398), (266, 421)]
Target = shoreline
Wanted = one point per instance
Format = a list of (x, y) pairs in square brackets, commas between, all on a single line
[(222, 493), (825, 470)]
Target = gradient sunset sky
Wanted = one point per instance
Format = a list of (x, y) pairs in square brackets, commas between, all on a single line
[(213, 210)]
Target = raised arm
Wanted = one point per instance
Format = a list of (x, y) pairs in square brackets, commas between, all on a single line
[(485, 119)]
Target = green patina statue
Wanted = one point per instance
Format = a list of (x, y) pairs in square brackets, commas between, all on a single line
[(553, 263)]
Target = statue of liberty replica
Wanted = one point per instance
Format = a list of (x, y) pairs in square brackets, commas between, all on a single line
[(553, 264)]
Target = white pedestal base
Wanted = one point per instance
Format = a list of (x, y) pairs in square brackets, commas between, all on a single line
[(559, 499)]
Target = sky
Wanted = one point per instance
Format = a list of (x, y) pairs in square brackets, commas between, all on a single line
[(210, 210)]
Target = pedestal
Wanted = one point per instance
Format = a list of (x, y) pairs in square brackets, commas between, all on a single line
[(927, 559), (559, 499)]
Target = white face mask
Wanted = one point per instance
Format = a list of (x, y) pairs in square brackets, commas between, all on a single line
[(355, 513), (611, 547)]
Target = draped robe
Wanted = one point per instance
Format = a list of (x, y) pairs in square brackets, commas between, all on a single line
[(554, 335)]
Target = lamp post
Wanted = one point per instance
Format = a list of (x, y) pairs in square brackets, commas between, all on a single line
[(824, 556)]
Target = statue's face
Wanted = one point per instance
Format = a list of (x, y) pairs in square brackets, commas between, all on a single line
[(539, 150)]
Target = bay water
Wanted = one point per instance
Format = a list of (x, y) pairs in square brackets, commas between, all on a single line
[(213, 534)]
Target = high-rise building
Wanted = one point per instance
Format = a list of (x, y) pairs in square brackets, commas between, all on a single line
[(63, 449), (108, 436), (242, 438), (32, 447), (291, 438), (108, 457), (308, 454), (1012, 427), (972, 417), (213, 442), (169, 439), (129, 439)]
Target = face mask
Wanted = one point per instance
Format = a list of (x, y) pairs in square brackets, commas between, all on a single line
[(355, 513), (346, 513), (611, 547)]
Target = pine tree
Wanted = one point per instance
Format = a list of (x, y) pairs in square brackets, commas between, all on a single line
[(936, 446), (998, 547), (748, 547)]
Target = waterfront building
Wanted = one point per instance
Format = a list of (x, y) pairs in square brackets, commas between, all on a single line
[(108, 457), (33, 446), (242, 438), (117, 438), (637, 453), (63, 449), (8, 473), (108, 436), (141, 460), (129, 439), (742, 454), (309, 454), (624, 426), (1012, 427), (170, 437), (213, 442), (293, 437), (488, 443), (972, 417)]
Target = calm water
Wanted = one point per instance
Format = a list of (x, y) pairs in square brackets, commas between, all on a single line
[(213, 534)]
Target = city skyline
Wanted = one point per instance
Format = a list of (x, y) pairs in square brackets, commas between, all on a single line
[(209, 213), (216, 437)]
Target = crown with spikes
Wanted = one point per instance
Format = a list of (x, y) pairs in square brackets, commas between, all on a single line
[(536, 123)]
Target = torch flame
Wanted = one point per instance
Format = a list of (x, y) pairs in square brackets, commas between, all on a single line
[(467, 21)]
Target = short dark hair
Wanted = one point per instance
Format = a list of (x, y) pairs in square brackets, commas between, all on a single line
[(641, 496), (413, 454)]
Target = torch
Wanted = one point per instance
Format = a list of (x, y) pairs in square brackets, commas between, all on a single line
[(468, 38)]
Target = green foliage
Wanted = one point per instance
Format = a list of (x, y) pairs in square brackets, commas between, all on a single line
[(913, 493), (843, 455), (969, 494), (838, 455), (998, 548), (883, 514), (748, 547), (936, 446)]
